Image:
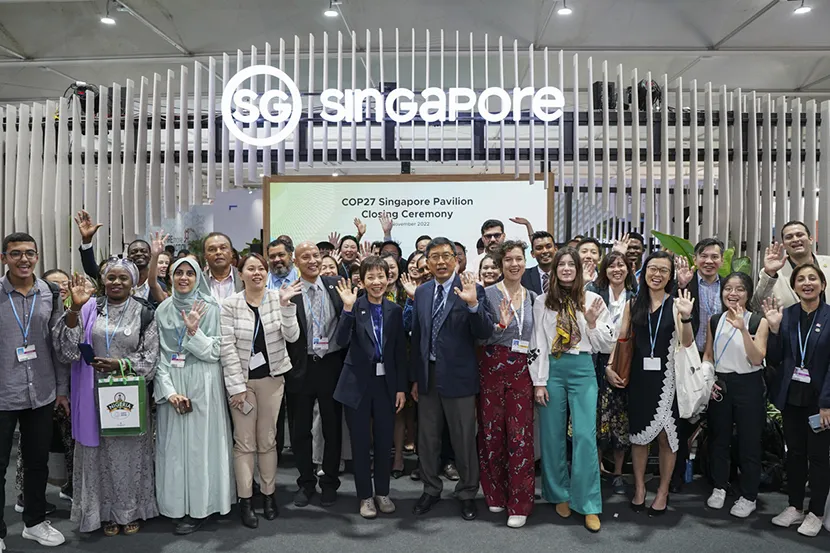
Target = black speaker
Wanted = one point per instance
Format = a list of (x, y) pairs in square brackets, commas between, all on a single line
[(600, 96)]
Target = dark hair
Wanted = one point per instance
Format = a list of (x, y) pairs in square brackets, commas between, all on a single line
[(439, 241), (578, 238), (422, 237), (328, 255), (51, 272), (354, 269), (637, 236), (793, 223), (708, 243), (17, 237), (642, 302), (490, 223), (325, 245), (373, 262), (539, 235), (507, 246), (590, 240), (287, 240), (746, 281), (460, 245), (138, 241), (556, 296), (348, 237), (256, 256), (281, 241), (412, 256), (392, 243), (496, 259), (798, 270), (602, 281), (170, 249), (377, 244), (480, 244), (214, 235), (183, 253)]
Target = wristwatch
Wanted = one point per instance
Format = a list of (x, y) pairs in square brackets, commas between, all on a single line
[(684, 321)]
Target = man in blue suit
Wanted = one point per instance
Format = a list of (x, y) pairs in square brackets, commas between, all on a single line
[(448, 317)]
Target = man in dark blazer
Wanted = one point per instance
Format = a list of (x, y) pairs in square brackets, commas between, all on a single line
[(542, 249), (449, 315), (316, 360)]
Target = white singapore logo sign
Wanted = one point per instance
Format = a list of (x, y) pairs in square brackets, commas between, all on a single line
[(277, 106)]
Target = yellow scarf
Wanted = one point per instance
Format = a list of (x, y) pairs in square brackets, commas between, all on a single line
[(567, 329)]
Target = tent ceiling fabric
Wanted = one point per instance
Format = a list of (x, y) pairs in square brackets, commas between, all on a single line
[(670, 36)]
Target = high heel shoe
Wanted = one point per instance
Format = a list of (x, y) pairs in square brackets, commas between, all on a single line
[(639, 507), (652, 512)]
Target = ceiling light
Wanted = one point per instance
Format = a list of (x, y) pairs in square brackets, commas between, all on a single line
[(330, 12), (802, 9), (565, 10), (336, 174), (107, 20)]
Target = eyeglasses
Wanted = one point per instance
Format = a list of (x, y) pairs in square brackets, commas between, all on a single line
[(15, 255), (436, 257), (664, 271), (492, 236)]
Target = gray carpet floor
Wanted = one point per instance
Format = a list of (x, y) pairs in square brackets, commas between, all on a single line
[(688, 527)]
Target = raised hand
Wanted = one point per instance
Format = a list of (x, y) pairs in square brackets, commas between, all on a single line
[(78, 292), (86, 226), (409, 285), (594, 311), (386, 223), (505, 312), (334, 238), (361, 227), (157, 241), (337, 257), (684, 272), (738, 321), (773, 312), (347, 294), (365, 250), (685, 303), (192, 319), (288, 291), (467, 292), (589, 269), (774, 258), (622, 244)]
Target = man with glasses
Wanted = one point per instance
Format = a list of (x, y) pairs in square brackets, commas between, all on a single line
[(221, 275), (492, 237), (35, 382), (448, 317)]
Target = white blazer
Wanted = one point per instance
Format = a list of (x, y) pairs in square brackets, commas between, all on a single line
[(779, 287), (600, 339)]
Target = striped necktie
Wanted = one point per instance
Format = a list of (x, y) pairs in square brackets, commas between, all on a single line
[(437, 309)]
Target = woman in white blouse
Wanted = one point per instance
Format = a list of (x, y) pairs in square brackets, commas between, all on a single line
[(569, 325), (736, 345)]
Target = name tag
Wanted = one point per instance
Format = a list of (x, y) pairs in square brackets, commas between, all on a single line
[(380, 370), (320, 343), (801, 374), (26, 353), (177, 360), (257, 360), (652, 364), (520, 346)]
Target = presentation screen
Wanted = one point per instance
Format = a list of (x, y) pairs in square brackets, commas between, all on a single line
[(310, 210)]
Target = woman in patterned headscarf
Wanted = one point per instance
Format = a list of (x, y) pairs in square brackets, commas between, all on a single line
[(113, 481), (569, 326)]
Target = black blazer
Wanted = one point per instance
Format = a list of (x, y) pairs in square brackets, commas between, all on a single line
[(532, 280), (298, 351), (694, 290), (456, 364), (782, 351), (355, 332)]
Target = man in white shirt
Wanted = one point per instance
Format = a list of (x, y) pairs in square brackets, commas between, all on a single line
[(221, 275)]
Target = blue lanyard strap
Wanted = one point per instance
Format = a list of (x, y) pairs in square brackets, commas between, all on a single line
[(107, 334), (24, 331), (802, 342), (652, 335), (181, 338), (718, 334)]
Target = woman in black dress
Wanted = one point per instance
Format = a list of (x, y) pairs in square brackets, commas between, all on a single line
[(652, 401)]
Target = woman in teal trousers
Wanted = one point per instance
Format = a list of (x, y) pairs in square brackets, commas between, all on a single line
[(569, 326)]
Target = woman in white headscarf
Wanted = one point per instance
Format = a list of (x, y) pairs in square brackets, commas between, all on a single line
[(194, 474)]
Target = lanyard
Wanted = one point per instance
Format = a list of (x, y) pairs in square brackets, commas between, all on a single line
[(520, 314), (378, 332), (802, 343), (652, 336), (181, 338), (314, 320), (24, 331), (107, 334), (718, 334)]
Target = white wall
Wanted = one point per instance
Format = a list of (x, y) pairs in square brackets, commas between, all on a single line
[(238, 214)]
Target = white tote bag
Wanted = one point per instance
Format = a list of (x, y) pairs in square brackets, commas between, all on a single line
[(694, 380)]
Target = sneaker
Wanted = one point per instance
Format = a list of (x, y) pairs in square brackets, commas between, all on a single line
[(19, 506), (66, 493), (790, 516), (2, 545), (385, 504), (811, 526), (367, 508), (44, 534), (415, 474), (450, 472), (516, 521), (496, 509), (302, 497), (320, 472), (742, 508), (717, 499), (618, 485)]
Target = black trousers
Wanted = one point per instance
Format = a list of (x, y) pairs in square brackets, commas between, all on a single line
[(36, 437), (743, 405), (807, 453), (372, 424), (320, 381)]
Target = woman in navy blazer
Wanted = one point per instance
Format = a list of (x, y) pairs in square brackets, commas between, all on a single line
[(799, 345), (373, 382)]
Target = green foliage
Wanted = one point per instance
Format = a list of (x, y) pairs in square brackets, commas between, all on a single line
[(742, 265), (726, 268), (680, 246)]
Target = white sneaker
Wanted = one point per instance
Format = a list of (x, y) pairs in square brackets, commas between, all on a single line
[(320, 472), (44, 534), (717, 499), (386, 506), (367, 508), (811, 526), (2, 545), (790, 516), (496, 509), (516, 521), (742, 508)]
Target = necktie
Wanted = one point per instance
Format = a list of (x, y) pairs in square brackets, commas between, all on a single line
[(316, 319), (437, 309), (545, 282)]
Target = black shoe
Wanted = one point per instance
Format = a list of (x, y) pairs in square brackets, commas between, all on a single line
[(302, 497), (676, 486), (425, 503), (66, 492), (189, 525), (638, 508), (257, 488), (249, 517), (397, 474), (652, 512), (328, 497), (469, 511), (269, 506), (415, 474), (19, 506)]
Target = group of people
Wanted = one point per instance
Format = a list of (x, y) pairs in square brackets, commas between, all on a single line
[(502, 364)]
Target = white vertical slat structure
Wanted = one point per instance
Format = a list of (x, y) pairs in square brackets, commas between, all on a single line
[(116, 207), (35, 192), (10, 169), (501, 123), (367, 62), (324, 85), (575, 172), (810, 160), (592, 157), (486, 85), (128, 175), (636, 210), (142, 150), (154, 181), (413, 87), (90, 176), (3, 173), (606, 142), (340, 87), (472, 84), (169, 185), (226, 156), (397, 84), (310, 111), (736, 198), (824, 178), (723, 165), (650, 215), (59, 247), (382, 86), (796, 184), (47, 206), (76, 174), (708, 221), (238, 157), (622, 199), (561, 122), (184, 197), (211, 130), (532, 153), (253, 174), (782, 212), (21, 178), (694, 145), (679, 215), (101, 241), (281, 146), (353, 149), (197, 195), (664, 216), (753, 190), (766, 175), (441, 86), (546, 131)]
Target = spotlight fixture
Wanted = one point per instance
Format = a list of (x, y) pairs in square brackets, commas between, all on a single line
[(565, 10), (802, 9), (330, 12), (107, 20)]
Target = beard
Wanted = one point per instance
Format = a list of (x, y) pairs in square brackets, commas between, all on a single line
[(281, 270)]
